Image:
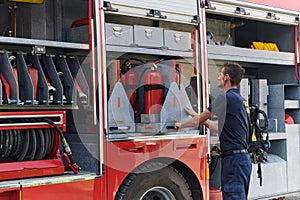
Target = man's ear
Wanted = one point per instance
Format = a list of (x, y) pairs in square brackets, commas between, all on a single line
[(226, 77)]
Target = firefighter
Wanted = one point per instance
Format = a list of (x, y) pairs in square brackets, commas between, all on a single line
[(233, 126)]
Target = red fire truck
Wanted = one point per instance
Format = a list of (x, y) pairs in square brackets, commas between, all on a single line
[(90, 91)]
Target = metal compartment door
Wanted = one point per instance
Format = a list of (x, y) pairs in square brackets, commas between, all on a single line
[(176, 40), (148, 36), (117, 34)]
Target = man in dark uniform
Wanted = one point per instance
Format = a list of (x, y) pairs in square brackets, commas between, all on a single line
[(233, 126)]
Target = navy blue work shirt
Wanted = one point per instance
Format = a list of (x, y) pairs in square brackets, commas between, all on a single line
[(233, 112)]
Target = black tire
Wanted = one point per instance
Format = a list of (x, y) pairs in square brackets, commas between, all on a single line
[(154, 181)]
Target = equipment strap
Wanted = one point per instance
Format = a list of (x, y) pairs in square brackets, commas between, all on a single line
[(153, 87), (259, 174), (130, 87)]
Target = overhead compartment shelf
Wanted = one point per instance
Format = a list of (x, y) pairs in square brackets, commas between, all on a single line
[(250, 55)]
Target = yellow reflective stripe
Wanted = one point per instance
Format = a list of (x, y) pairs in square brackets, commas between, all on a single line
[(207, 173)]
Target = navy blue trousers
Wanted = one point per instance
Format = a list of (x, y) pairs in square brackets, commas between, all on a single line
[(235, 176)]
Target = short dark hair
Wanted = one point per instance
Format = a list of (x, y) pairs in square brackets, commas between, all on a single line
[(235, 72)]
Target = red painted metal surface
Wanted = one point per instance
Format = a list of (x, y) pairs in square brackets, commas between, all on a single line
[(10, 195), (16, 170), (123, 157), (75, 190), (50, 114), (90, 189), (33, 73), (291, 4)]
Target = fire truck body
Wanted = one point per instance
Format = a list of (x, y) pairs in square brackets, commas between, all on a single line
[(118, 77), (100, 84)]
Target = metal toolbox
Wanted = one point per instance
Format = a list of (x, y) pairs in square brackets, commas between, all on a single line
[(146, 36), (117, 34), (177, 40)]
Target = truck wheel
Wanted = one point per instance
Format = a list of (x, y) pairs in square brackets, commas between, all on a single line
[(154, 181)]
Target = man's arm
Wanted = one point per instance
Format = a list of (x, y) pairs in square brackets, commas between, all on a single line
[(212, 125), (195, 121)]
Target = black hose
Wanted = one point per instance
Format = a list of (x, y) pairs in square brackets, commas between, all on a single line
[(18, 145), (6, 145), (41, 144), (11, 142), (25, 145), (14, 142), (65, 144), (2, 145), (33, 145), (52, 138), (48, 141)]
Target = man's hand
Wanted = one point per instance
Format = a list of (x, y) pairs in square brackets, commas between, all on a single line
[(190, 111), (177, 125)]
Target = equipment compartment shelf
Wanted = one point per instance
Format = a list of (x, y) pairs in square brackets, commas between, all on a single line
[(38, 107), (250, 55), (46, 43), (291, 104), (277, 136), (112, 48)]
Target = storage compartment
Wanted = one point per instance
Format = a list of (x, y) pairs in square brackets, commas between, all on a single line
[(118, 34), (245, 40), (175, 40), (145, 36), (282, 35), (38, 19), (283, 104), (149, 97), (42, 78)]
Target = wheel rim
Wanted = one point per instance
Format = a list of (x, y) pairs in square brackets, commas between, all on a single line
[(158, 193)]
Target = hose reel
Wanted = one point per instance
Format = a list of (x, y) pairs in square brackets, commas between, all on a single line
[(29, 144), (26, 145)]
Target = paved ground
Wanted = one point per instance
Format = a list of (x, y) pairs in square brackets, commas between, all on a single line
[(293, 197)]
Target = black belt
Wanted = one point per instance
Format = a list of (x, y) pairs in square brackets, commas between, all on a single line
[(230, 152)]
